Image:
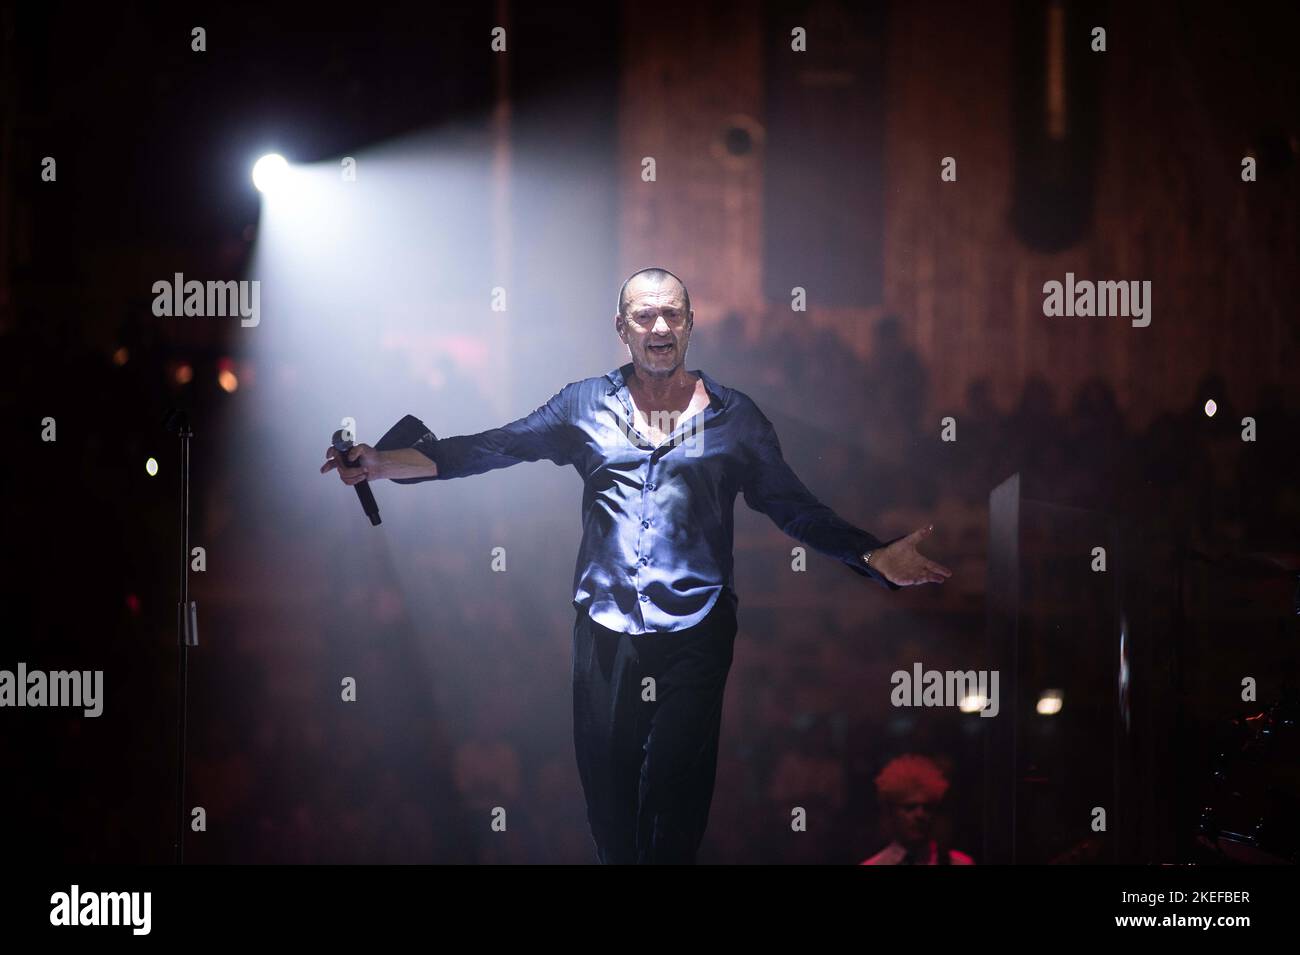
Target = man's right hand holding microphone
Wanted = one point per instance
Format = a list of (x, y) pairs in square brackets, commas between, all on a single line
[(365, 463)]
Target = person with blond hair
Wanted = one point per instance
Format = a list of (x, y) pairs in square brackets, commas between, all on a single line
[(910, 789)]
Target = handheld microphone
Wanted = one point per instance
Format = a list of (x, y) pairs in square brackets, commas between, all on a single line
[(407, 433), (367, 497)]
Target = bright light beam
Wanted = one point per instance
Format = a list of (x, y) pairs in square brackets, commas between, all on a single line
[(270, 173)]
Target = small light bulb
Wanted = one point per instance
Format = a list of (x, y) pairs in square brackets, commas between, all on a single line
[(1050, 703)]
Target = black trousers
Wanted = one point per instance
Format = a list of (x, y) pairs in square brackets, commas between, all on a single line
[(648, 753)]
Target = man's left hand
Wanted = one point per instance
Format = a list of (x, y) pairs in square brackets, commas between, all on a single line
[(902, 564)]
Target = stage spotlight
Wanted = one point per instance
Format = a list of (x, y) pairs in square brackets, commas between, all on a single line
[(1050, 703), (270, 173), (1210, 408), (151, 467), (972, 703)]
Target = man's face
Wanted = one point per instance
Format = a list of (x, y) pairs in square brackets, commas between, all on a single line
[(655, 326), (913, 819)]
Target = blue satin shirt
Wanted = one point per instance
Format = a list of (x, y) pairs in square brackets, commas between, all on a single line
[(657, 522)]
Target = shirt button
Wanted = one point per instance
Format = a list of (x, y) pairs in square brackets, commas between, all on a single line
[(649, 487), (644, 561), (645, 523), (644, 598)]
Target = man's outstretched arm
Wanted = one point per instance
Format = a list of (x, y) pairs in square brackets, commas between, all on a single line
[(771, 487), (544, 434)]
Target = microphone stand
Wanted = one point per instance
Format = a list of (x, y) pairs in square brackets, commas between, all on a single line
[(187, 626)]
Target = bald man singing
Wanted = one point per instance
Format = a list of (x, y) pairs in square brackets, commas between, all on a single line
[(662, 452)]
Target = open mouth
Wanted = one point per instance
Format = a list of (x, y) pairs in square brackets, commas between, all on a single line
[(661, 349)]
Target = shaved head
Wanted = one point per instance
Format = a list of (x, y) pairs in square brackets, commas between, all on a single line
[(655, 276)]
